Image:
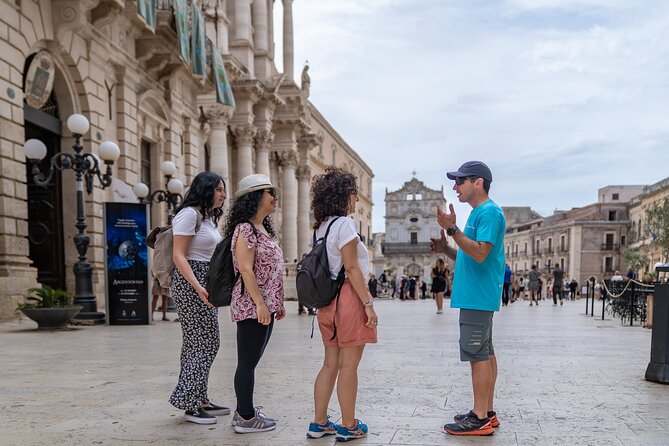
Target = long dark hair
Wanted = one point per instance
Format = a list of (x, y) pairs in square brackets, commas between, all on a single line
[(330, 193), (243, 209), (200, 195)]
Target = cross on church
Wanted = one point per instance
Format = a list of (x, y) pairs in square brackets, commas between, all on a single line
[(414, 172)]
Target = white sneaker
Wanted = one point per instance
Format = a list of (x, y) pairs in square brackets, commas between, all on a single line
[(440, 311)]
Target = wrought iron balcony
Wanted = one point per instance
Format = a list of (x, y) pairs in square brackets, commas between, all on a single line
[(610, 246)]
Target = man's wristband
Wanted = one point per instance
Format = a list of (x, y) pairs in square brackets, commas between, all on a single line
[(452, 230)]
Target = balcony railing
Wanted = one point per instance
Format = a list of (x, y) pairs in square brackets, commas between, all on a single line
[(610, 246), (402, 248), (548, 250)]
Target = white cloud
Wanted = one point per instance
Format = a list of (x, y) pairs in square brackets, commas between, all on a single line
[(559, 97)]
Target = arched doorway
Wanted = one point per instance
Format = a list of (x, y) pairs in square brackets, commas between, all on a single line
[(45, 207)]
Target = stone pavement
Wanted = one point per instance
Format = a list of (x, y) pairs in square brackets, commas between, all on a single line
[(565, 379)]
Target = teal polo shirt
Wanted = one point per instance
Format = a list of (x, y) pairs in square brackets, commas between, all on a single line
[(478, 286)]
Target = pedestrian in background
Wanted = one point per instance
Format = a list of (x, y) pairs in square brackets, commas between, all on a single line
[(191, 252), (439, 282), (349, 322), (158, 291), (558, 277), (508, 279), (534, 278), (258, 295), (477, 286)]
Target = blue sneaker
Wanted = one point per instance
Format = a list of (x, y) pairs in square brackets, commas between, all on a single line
[(319, 430), (346, 434)]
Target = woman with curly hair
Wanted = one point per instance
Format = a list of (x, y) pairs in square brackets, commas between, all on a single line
[(349, 322), (257, 297), (195, 236)]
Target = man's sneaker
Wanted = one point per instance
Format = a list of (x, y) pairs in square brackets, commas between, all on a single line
[(319, 430), (215, 409), (470, 425), (200, 416), (255, 424), (494, 421), (351, 433)]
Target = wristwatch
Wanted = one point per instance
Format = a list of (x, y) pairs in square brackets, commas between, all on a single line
[(452, 230), (369, 303)]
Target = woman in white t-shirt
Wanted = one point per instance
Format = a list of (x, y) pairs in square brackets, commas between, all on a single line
[(349, 322), (195, 236)]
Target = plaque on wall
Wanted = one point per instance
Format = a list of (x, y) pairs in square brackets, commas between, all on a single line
[(39, 79)]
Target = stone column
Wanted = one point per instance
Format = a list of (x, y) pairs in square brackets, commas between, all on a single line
[(244, 136), (263, 144), (242, 20), (260, 19), (218, 118), (304, 232), (288, 40), (289, 206)]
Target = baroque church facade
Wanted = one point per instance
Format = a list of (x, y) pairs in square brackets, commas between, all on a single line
[(124, 65), (411, 220)]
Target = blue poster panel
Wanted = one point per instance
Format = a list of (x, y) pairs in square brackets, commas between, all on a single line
[(127, 266)]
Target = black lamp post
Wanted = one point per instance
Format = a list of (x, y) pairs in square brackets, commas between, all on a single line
[(86, 166), (172, 195)]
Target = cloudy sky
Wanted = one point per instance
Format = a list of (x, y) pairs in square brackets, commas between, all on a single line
[(558, 97)]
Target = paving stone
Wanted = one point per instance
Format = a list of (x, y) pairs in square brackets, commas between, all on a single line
[(564, 379)]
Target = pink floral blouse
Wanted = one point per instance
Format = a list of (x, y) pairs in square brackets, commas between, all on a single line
[(268, 268)]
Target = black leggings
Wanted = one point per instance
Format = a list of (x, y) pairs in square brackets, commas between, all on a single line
[(252, 338)]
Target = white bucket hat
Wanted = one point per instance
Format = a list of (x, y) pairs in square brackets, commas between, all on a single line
[(254, 182)]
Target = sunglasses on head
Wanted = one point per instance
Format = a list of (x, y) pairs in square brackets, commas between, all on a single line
[(460, 180)]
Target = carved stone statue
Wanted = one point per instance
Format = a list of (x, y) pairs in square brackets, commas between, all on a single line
[(306, 80)]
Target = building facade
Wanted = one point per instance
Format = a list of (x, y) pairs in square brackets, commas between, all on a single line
[(584, 241), (640, 236), (411, 220), (126, 71)]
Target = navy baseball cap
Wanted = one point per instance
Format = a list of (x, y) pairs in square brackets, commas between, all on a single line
[(471, 169)]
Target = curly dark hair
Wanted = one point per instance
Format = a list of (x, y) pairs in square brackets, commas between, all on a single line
[(243, 209), (330, 193), (201, 195)]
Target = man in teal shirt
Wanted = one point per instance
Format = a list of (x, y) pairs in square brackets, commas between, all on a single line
[(478, 280)]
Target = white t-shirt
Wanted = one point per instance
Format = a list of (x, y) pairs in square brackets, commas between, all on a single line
[(342, 232), (204, 242)]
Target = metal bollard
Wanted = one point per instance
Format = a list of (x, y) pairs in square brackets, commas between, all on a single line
[(587, 296)]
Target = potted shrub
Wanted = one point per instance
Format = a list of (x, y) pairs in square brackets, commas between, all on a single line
[(51, 308)]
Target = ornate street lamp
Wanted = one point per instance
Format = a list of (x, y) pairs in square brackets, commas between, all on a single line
[(86, 166), (172, 195)]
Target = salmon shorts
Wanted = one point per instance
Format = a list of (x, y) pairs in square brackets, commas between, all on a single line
[(350, 318)]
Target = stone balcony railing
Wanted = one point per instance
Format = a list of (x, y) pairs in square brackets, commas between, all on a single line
[(405, 248)]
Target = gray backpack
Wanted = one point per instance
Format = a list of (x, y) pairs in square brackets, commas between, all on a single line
[(161, 240)]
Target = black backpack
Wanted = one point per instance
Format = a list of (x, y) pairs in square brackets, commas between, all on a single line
[(315, 286), (221, 278)]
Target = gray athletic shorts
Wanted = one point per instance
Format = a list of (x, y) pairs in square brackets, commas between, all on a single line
[(475, 335)]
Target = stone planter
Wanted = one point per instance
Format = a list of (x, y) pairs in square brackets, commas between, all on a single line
[(52, 318)]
